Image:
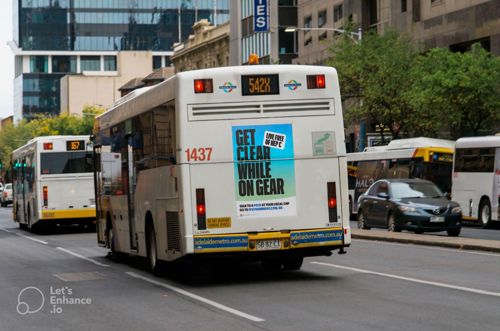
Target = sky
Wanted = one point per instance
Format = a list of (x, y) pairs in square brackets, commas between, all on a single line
[(6, 61)]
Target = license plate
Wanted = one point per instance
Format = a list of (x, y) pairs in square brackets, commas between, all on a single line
[(263, 245), (436, 219)]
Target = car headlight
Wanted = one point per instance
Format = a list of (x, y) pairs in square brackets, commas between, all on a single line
[(405, 209), (456, 210)]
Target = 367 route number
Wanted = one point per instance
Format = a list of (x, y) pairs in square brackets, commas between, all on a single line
[(199, 154)]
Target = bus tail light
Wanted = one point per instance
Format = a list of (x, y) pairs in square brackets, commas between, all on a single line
[(203, 86), (316, 81), (45, 196), (47, 146), (332, 201), (200, 209)]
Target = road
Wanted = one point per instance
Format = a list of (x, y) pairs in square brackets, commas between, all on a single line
[(375, 286), (469, 230)]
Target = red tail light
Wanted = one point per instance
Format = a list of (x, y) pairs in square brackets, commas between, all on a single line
[(203, 86), (45, 196), (200, 209), (332, 201), (47, 146), (316, 81)]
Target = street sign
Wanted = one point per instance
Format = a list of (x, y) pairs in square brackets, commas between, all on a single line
[(260, 17)]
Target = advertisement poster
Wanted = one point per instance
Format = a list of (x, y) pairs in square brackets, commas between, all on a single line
[(264, 170)]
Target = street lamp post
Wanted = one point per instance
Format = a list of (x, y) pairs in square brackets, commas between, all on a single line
[(354, 35)]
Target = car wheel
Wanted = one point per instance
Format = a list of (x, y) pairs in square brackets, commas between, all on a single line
[(362, 221), (453, 232), (485, 213), (391, 224)]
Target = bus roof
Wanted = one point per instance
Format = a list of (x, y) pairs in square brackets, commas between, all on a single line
[(419, 142), (486, 141)]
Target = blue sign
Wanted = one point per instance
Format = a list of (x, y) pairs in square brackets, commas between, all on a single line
[(260, 18)]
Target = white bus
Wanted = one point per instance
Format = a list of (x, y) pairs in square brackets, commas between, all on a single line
[(53, 182), (421, 157), (247, 161), (476, 178)]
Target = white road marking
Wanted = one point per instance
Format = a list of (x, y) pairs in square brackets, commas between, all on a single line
[(197, 297), (456, 250), (82, 257), (5, 230), (415, 280), (31, 238)]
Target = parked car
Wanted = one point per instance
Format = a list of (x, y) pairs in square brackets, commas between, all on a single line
[(6, 195), (410, 204)]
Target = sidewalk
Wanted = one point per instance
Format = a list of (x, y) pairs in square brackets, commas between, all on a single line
[(423, 239)]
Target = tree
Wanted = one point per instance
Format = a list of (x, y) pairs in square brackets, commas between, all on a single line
[(375, 70), (460, 91), (14, 136)]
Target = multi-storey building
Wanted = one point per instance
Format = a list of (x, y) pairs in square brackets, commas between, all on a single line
[(272, 44), (455, 24), (53, 38)]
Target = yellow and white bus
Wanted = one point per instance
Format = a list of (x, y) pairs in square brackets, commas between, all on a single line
[(476, 178), (247, 161), (421, 157), (53, 182)]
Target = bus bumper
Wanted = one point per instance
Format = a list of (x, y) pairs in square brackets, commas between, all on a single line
[(67, 214)]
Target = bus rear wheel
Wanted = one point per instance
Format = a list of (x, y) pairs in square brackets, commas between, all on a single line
[(154, 263), (293, 263), (485, 213)]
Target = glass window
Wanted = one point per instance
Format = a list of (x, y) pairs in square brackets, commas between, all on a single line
[(321, 18), (415, 190), (403, 6), (337, 13), (63, 64), (39, 63), (109, 63), (308, 22), (65, 162), (90, 63), (156, 62), (475, 159)]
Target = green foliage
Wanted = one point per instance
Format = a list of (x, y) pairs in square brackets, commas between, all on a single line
[(460, 92), (376, 70), (14, 136), (437, 93)]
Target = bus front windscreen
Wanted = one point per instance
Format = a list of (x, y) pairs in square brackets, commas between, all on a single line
[(65, 163)]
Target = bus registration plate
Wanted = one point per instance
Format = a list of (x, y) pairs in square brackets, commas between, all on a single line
[(437, 219), (263, 245)]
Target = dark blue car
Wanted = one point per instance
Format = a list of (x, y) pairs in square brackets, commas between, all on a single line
[(408, 204)]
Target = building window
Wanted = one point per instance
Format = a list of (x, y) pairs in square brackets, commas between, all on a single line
[(109, 63), (337, 13), (308, 22), (64, 64), (90, 63), (156, 62), (247, 26), (321, 18), (39, 64), (403, 6)]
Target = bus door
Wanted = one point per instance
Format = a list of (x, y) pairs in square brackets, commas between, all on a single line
[(132, 180)]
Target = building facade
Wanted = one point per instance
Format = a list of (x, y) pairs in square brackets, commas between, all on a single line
[(208, 47), (454, 24), (273, 45), (55, 37)]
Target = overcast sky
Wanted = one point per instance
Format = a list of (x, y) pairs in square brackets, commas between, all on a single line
[(6, 60)]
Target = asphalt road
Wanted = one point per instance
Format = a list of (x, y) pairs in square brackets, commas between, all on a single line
[(469, 230), (375, 286)]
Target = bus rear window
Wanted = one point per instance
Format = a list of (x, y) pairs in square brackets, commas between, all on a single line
[(65, 163)]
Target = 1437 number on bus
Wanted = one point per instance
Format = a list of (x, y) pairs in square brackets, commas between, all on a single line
[(199, 154)]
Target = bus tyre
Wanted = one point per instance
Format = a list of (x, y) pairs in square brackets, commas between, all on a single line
[(293, 263), (453, 232), (271, 264), (391, 224), (485, 213), (362, 221), (154, 264), (115, 255)]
